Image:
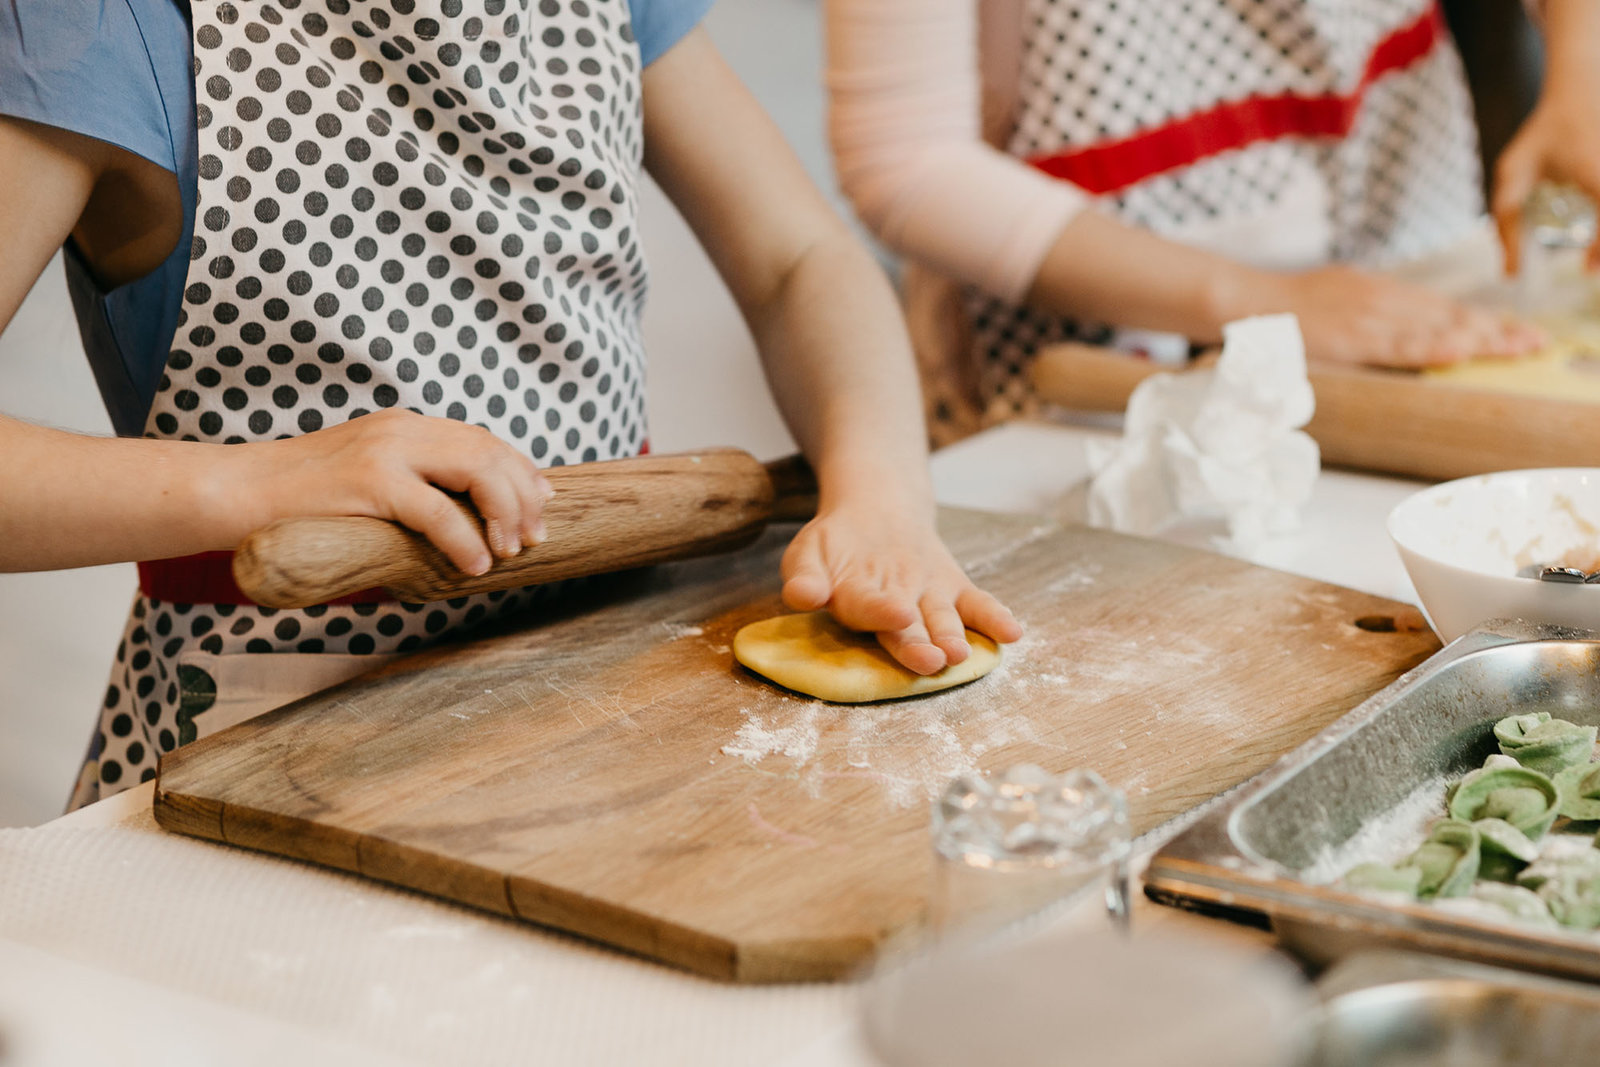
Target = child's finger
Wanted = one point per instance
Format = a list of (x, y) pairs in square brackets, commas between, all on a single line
[(1514, 178), (806, 586), (867, 606), (987, 615), (944, 627), (428, 511), (497, 501), (533, 491), (911, 647)]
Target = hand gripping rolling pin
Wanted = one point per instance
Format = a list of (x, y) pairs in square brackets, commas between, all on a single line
[(606, 516)]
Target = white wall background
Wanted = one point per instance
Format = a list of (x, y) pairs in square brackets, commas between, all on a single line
[(58, 630)]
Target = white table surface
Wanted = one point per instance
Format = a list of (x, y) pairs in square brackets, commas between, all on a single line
[(594, 1000)]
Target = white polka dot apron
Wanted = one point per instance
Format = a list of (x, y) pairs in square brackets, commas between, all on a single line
[(1283, 133), (427, 204)]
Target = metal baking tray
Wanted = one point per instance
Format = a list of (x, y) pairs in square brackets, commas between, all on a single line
[(1242, 859)]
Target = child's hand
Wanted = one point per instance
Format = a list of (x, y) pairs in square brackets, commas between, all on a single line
[(1560, 141), (396, 464), (1348, 316), (882, 568)]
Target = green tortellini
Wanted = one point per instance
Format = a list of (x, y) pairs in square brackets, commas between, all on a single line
[(1564, 864), (1493, 848), (1505, 849), (1579, 790), (1543, 744), (1382, 878), (1448, 860), (1569, 884), (1516, 901), (1494, 762), (1524, 798)]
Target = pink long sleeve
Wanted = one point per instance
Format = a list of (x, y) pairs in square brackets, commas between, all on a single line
[(905, 124)]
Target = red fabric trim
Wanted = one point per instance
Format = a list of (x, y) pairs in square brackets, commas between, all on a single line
[(1112, 166), (207, 578)]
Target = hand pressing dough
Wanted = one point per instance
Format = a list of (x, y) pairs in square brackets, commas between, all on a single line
[(813, 654)]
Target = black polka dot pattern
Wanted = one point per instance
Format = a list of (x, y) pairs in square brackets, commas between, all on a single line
[(428, 204), (1403, 184)]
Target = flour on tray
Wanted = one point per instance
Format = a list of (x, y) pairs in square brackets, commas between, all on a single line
[(1386, 838)]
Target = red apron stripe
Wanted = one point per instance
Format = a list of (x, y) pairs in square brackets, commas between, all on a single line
[(1113, 166), (207, 578)]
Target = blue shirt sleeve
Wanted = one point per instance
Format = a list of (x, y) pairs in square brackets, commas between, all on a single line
[(660, 24), (118, 71), (83, 65)]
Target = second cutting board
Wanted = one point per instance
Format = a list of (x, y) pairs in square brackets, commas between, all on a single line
[(612, 773)]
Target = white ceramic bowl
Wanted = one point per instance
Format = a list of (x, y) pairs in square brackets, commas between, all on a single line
[(1463, 541)]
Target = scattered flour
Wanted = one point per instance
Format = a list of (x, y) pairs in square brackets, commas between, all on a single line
[(1080, 577), (1387, 838), (796, 739), (914, 748), (678, 630), (910, 748)]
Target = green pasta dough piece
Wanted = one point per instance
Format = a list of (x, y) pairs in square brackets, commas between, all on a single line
[(1500, 836), (1573, 898), (1566, 864), (1495, 761), (1447, 860), (1382, 878), (1505, 849), (1579, 790), (1543, 744), (1522, 797), (1519, 903)]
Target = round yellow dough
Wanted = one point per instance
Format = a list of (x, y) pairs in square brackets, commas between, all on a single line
[(1566, 370), (813, 654)]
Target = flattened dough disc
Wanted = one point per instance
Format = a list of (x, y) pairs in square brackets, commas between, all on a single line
[(1566, 370), (813, 654)]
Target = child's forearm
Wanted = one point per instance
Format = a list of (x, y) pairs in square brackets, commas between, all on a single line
[(70, 500), (1104, 270), (835, 350)]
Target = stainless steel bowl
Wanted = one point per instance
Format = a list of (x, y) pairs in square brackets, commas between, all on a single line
[(1411, 1011)]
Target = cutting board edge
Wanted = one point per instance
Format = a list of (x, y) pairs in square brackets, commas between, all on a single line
[(551, 908)]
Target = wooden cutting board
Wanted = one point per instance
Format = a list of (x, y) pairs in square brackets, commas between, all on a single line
[(612, 772)]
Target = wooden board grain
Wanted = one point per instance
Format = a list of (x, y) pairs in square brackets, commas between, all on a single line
[(614, 774)]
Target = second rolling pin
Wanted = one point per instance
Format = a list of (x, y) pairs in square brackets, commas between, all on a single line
[(1395, 422), (603, 517)]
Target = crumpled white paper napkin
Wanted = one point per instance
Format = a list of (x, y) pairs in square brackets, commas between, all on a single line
[(1221, 444)]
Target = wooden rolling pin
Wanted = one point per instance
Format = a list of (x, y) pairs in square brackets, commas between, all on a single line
[(1395, 422), (603, 517)]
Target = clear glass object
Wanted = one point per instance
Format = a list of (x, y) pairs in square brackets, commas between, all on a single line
[(1558, 226), (1010, 845)]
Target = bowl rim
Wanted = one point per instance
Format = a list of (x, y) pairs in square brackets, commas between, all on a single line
[(1421, 497)]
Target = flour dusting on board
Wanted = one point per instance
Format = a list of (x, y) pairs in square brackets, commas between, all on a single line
[(1076, 579), (910, 748), (676, 631)]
